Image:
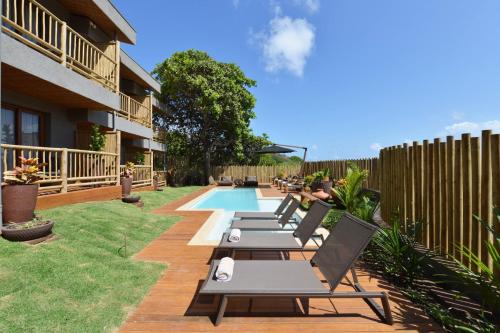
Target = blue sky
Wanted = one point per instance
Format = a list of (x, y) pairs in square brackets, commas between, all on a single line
[(343, 77)]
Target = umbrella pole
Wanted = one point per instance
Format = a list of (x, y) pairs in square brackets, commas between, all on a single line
[(303, 162)]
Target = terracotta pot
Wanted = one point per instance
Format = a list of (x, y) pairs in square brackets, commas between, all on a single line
[(126, 186), (19, 202), (131, 199), (20, 235)]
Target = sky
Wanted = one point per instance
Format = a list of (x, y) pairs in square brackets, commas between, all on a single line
[(342, 77)]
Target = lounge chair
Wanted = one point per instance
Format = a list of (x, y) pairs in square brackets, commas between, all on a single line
[(271, 224), (251, 181), (266, 215), (278, 241), (297, 279), (225, 181)]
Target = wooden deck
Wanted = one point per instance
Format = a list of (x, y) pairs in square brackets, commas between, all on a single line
[(172, 305)]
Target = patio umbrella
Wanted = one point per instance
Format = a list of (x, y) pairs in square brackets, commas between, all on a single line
[(283, 149), (275, 149)]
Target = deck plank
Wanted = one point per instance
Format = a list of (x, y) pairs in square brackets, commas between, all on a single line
[(172, 306)]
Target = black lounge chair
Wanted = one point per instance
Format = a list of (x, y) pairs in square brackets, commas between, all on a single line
[(271, 224), (278, 241), (266, 215), (251, 181), (297, 279), (225, 181)]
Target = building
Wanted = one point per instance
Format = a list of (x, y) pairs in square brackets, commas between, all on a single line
[(62, 71)]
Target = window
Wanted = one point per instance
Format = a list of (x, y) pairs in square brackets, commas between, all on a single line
[(30, 129), (8, 126), (21, 126)]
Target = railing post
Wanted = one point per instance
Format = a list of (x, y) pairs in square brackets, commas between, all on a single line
[(129, 102), (64, 170), (151, 109), (117, 65), (151, 156), (64, 29), (117, 158)]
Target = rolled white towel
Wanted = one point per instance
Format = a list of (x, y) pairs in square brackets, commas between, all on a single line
[(224, 271), (234, 235)]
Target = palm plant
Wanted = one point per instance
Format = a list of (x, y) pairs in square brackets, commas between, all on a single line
[(487, 281), (348, 191)]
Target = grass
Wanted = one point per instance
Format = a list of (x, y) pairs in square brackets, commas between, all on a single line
[(82, 282)]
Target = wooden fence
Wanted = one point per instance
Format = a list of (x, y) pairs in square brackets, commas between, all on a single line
[(264, 173), (338, 169), (444, 184)]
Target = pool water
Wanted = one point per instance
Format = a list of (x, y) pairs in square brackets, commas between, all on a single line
[(229, 201)]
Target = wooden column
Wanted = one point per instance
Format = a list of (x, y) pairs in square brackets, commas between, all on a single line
[(64, 29), (117, 158), (64, 170)]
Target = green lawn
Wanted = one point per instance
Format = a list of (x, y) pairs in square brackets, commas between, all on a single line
[(82, 282)]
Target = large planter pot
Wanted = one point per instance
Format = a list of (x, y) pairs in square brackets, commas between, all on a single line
[(131, 199), (326, 186), (126, 186), (316, 185), (21, 235), (19, 202)]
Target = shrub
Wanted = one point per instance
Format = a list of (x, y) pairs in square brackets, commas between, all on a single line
[(332, 218), (97, 138), (348, 191)]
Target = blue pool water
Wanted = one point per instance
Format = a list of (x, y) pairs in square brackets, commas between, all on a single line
[(230, 201), (241, 199)]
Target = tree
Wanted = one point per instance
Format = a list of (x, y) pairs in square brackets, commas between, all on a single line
[(209, 104), (97, 138)]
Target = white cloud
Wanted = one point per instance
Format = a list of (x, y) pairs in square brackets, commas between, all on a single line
[(287, 44), (375, 146), (472, 127), (314, 147), (312, 6)]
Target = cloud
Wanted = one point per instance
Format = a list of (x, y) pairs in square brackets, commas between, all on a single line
[(472, 127), (312, 6), (286, 45), (375, 146), (314, 147)]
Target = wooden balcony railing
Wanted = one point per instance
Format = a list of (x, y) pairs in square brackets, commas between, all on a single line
[(34, 25), (142, 176), (66, 169), (136, 111)]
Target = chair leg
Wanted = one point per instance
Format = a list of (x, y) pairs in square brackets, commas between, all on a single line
[(387, 308), (305, 304), (222, 309)]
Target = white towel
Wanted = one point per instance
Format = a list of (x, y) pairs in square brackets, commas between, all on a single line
[(234, 235), (224, 271)]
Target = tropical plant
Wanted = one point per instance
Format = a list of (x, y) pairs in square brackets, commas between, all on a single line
[(486, 281), (321, 175), (365, 209), (308, 180), (348, 192), (28, 173), (395, 252), (139, 158), (129, 169), (97, 138)]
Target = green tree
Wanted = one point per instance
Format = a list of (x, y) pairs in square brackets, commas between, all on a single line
[(209, 104), (97, 138)]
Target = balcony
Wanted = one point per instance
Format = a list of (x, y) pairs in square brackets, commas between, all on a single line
[(33, 25), (136, 109)]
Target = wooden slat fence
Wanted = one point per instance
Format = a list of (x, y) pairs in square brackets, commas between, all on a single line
[(264, 173), (444, 184)]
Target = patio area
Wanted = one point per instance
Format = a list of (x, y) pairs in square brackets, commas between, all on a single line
[(172, 305)]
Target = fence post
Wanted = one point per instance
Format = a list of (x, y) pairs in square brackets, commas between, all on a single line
[(63, 43), (64, 170)]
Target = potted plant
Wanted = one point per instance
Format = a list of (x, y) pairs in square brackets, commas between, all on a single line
[(127, 178), (156, 182), (321, 180), (19, 232), (20, 194)]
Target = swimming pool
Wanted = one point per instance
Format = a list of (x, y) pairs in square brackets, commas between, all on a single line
[(224, 202)]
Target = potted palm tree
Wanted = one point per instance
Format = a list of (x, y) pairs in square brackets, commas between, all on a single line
[(127, 178), (20, 194)]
